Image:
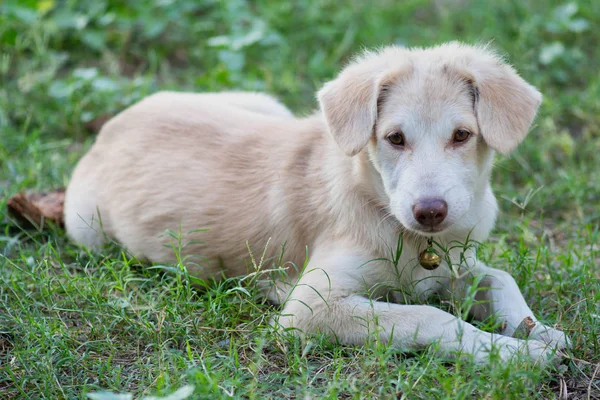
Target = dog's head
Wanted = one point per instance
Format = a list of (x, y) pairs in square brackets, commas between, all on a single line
[(430, 120)]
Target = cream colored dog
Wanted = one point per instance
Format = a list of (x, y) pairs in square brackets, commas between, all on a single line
[(404, 144)]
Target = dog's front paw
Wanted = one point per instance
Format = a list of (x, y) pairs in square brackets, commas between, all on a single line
[(544, 353), (537, 351), (516, 349), (552, 337)]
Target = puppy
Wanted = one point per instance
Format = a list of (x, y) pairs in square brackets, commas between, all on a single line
[(400, 153)]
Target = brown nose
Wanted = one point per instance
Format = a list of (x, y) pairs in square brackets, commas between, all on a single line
[(430, 212)]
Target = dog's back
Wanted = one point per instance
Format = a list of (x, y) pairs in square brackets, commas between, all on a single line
[(189, 163)]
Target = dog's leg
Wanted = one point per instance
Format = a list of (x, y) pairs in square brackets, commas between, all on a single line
[(326, 299), (498, 295)]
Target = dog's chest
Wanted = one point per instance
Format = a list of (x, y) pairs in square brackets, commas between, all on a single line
[(405, 280)]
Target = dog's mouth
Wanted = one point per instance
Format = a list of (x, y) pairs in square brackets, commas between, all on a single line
[(429, 230), (433, 229)]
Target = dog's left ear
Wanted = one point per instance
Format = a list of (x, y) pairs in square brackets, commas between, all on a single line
[(505, 104), (349, 103)]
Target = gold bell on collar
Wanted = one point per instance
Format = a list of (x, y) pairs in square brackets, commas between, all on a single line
[(429, 258)]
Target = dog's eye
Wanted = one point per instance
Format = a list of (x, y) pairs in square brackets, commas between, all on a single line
[(461, 135), (396, 138)]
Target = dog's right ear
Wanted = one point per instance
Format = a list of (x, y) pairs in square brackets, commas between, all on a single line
[(349, 103)]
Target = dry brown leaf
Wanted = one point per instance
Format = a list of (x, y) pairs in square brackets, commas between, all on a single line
[(36, 207)]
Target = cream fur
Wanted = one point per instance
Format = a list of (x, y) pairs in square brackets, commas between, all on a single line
[(241, 166)]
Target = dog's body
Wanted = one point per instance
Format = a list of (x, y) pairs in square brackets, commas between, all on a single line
[(386, 157)]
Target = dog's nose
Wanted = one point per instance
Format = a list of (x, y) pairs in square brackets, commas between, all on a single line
[(430, 212)]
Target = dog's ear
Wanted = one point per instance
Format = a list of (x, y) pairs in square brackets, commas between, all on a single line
[(504, 103), (349, 103)]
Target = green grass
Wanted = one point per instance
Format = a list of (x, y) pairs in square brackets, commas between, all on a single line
[(72, 322)]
